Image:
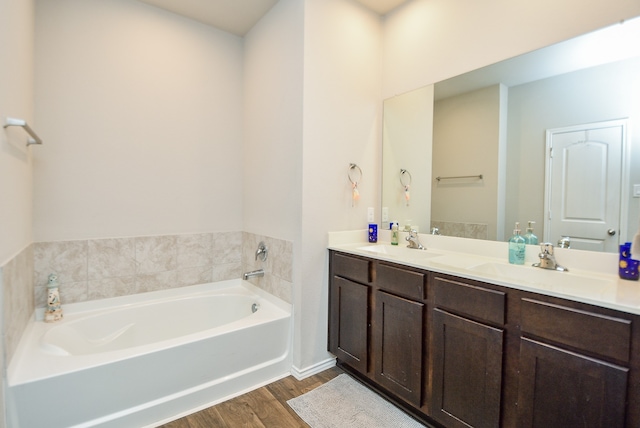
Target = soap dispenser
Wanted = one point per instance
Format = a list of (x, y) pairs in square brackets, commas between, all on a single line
[(529, 237), (516, 247), (394, 234)]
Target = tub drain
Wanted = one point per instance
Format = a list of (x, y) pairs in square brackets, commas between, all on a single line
[(255, 307)]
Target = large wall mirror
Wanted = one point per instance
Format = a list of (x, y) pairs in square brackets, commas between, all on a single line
[(551, 137)]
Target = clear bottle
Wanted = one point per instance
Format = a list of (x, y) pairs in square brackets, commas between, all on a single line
[(394, 234), (529, 237), (517, 247)]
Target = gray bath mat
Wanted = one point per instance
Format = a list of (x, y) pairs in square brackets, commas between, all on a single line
[(344, 403)]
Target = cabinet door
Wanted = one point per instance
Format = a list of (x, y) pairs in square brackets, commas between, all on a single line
[(398, 333), (467, 372), (559, 388), (348, 322)]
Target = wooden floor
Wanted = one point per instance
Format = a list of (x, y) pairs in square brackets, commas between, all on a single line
[(264, 407)]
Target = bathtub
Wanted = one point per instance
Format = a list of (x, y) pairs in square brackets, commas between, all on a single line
[(145, 359)]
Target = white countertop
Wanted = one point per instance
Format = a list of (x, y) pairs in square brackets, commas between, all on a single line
[(592, 277)]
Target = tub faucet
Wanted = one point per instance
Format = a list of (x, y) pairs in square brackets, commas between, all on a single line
[(414, 240), (547, 259), (259, 272), (262, 251)]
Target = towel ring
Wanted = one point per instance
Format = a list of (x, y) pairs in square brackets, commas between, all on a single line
[(403, 174), (353, 168)]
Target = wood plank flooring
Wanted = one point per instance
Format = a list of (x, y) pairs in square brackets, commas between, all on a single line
[(265, 407)]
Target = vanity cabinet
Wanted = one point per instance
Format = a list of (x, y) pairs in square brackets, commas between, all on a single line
[(467, 349), (399, 320), (574, 367), (349, 310), (463, 353)]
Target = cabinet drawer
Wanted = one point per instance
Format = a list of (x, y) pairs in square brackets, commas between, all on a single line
[(468, 300), (400, 281), (599, 334), (352, 268)]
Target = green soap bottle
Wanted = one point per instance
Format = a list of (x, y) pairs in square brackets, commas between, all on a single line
[(529, 237), (517, 247)]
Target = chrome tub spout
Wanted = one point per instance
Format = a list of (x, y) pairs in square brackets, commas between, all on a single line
[(259, 272)]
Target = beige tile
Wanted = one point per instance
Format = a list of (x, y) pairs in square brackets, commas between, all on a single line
[(193, 276), (476, 231), (282, 260), (454, 229), (226, 271), (111, 287), (227, 247), (71, 292), (156, 281), (195, 250), (110, 258), (68, 259), (156, 254)]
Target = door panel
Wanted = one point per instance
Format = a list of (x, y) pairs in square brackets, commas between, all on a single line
[(559, 388), (584, 168), (399, 343)]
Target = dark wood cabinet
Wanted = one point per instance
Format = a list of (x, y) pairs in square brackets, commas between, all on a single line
[(464, 353), (399, 339), (559, 388), (467, 354), (572, 367), (349, 321)]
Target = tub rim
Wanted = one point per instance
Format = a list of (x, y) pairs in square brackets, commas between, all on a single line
[(28, 351)]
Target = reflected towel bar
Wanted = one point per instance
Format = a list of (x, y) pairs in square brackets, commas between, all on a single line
[(19, 122), (479, 177)]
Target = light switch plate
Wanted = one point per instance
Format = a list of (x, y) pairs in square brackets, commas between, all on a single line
[(370, 217), (636, 190), (385, 214)]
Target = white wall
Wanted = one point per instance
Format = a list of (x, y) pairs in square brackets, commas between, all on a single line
[(16, 100), (341, 118), (427, 41), (272, 147), (141, 114)]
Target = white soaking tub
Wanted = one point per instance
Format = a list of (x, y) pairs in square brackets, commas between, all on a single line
[(145, 359)]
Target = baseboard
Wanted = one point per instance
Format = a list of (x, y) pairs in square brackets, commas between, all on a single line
[(314, 369)]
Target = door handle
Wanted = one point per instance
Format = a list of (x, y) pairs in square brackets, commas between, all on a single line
[(611, 232)]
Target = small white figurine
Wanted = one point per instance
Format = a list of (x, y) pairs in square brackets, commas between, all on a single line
[(53, 312)]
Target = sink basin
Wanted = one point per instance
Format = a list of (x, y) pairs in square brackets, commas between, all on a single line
[(397, 251), (562, 282)]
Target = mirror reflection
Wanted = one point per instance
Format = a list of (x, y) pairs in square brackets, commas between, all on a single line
[(549, 137)]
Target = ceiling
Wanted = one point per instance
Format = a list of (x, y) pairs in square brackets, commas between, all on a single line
[(239, 16)]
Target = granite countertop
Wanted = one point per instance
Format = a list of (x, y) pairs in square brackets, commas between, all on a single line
[(586, 281)]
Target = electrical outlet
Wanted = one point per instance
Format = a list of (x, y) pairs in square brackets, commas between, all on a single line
[(370, 216), (385, 214)]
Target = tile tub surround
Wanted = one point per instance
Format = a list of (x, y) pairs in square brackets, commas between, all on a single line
[(101, 268), (462, 230), (16, 278), (278, 267)]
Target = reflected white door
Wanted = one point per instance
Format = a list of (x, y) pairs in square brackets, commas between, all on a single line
[(583, 184)]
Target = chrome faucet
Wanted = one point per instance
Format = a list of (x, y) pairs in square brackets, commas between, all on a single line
[(547, 259), (414, 240), (262, 251), (247, 275), (435, 231), (564, 242)]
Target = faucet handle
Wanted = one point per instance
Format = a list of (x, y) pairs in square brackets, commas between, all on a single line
[(546, 248), (262, 251)]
